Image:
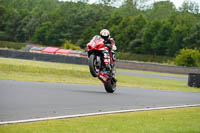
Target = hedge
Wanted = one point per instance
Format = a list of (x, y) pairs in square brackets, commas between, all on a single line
[(144, 58), (12, 45), (188, 57)]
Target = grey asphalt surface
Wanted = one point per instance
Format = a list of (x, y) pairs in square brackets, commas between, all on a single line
[(185, 79), (20, 100)]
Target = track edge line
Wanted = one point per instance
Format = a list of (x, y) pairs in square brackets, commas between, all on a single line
[(98, 113)]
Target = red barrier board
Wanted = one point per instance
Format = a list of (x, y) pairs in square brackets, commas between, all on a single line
[(63, 51), (50, 50)]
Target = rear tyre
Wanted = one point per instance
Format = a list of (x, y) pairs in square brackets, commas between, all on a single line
[(110, 86), (93, 65)]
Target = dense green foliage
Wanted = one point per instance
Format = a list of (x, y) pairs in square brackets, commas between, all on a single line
[(69, 45), (188, 57), (137, 27)]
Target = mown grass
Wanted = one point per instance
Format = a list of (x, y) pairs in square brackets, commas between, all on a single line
[(152, 83), (26, 70), (184, 120), (155, 73)]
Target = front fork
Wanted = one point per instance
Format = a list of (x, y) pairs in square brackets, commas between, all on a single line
[(109, 63), (106, 57)]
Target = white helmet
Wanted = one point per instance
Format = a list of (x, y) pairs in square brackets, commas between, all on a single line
[(105, 34)]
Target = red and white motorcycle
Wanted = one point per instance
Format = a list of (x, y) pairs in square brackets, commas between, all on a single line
[(102, 62)]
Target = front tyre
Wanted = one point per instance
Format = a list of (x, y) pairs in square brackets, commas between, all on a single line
[(110, 86), (94, 65)]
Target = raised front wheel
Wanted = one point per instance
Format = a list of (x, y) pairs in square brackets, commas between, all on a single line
[(94, 65)]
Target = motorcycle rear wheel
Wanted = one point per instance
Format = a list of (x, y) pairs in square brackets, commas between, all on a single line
[(110, 86)]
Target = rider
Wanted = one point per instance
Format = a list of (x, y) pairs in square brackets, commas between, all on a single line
[(110, 43), (105, 34)]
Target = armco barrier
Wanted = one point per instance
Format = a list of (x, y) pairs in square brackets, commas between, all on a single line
[(156, 67), (84, 61)]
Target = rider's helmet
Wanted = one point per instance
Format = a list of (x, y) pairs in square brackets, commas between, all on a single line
[(105, 34)]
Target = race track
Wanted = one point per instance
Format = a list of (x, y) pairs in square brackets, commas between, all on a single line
[(20, 100)]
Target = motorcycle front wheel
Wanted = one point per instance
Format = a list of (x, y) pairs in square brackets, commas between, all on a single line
[(94, 65)]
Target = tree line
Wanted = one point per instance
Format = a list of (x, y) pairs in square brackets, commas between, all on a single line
[(157, 29)]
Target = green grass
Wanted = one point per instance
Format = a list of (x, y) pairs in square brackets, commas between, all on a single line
[(26, 70), (184, 120), (154, 83), (155, 73)]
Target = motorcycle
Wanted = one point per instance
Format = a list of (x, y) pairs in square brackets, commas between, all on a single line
[(102, 62)]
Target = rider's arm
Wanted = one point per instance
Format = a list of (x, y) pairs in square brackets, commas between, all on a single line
[(114, 48)]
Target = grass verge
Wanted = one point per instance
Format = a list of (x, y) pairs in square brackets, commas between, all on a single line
[(154, 73), (184, 120), (26, 70)]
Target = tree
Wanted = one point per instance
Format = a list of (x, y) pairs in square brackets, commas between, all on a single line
[(2, 10), (11, 23), (190, 6), (149, 34), (135, 42), (193, 38), (159, 43), (129, 8), (106, 2), (3, 34), (175, 42), (161, 10), (42, 34)]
